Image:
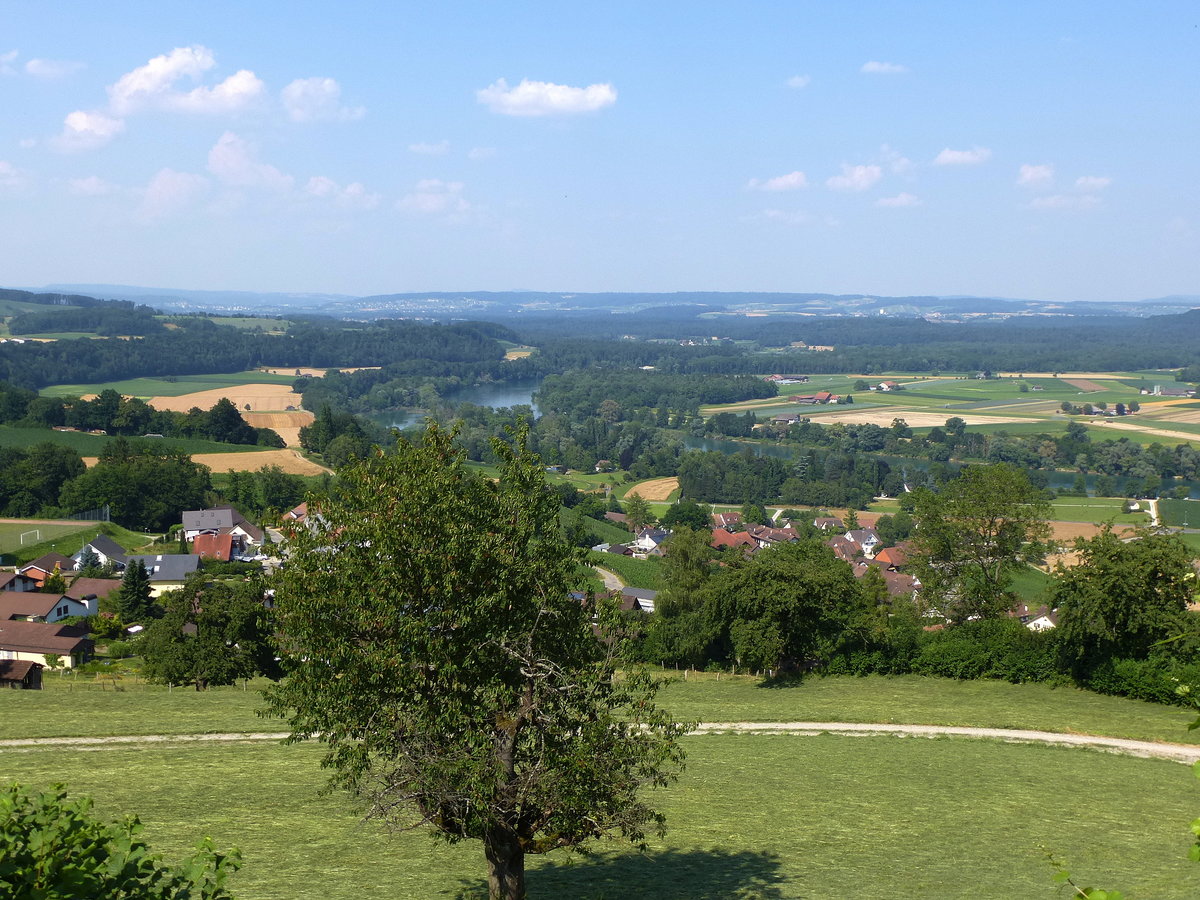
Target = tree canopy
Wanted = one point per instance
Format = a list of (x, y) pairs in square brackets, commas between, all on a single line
[(435, 647)]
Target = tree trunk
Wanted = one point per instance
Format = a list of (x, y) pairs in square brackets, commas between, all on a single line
[(506, 866)]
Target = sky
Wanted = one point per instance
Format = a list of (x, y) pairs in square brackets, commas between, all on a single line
[(1012, 149)]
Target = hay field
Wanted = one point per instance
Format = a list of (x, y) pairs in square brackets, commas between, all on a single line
[(298, 370), (286, 424), (914, 417), (250, 461), (259, 397), (656, 489), (1110, 425), (1083, 384)]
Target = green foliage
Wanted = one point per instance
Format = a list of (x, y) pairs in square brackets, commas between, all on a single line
[(53, 848), (133, 603), (638, 511), (211, 633), (686, 513), (971, 538), (465, 689)]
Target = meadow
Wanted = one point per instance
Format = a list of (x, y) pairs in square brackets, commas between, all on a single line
[(93, 444), (169, 386)]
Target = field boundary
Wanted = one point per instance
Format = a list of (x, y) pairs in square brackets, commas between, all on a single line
[(1124, 746)]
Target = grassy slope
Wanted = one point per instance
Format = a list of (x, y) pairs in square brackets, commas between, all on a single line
[(643, 573), (752, 817), (174, 387), (69, 540), (92, 444)]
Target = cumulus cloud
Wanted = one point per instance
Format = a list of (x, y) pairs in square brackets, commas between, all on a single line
[(875, 67), (543, 98), (233, 160), (789, 182), (900, 200), (170, 192), (6, 62), (85, 130), (154, 86), (854, 178), (92, 186), (1035, 176), (896, 161), (432, 196), (972, 157), (441, 148), (318, 100), (478, 153), (10, 176), (52, 68), (799, 82), (1066, 202), (1092, 182), (352, 196)]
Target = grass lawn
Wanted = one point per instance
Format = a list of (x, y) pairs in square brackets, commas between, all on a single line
[(65, 539), (88, 707), (1030, 585), (752, 817), (1176, 512), (1097, 509), (36, 532), (170, 386)]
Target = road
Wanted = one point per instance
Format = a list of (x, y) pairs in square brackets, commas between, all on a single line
[(612, 582)]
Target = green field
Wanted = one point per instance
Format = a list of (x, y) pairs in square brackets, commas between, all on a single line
[(1097, 509), (92, 444), (64, 539), (169, 386), (12, 532), (752, 817), (1176, 512), (642, 573)]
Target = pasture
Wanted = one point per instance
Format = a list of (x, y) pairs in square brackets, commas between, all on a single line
[(168, 386)]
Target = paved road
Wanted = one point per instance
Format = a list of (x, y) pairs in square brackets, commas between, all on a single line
[(1150, 749), (612, 582)]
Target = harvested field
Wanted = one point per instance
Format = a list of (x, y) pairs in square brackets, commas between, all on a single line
[(1099, 376), (518, 354), (1084, 384), (259, 397), (286, 424), (1186, 416), (1068, 531), (1108, 424), (252, 460), (657, 489), (914, 417)]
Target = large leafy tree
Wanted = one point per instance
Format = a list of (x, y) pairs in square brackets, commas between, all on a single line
[(436, 649), (211, 633), (1121, 597), (973, 536), (55, 847)]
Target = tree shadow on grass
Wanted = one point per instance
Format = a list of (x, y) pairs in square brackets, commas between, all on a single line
[(792, 679), (662, 875)]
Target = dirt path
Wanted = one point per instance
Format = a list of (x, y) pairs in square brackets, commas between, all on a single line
[(1148, 749), (612, 581)]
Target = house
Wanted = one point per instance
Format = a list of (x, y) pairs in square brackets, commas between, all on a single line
[(898, 584), (867, 539), (828, 523), (34, 641), (637, 599), (892, 558), (90, 591), (45, 566), (888, 386), (844, 548), (649, 542), (724, 540), (108, 551), (603, 465), (787, 419), (222, 520), (768, 537), (168, 571), (1041, 619), (1187, 391), (28, 606), (299, 514), (213, 546), (20, 674), (15, 581), (727, 520)]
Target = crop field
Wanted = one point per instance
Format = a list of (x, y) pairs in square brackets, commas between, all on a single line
[(286, 424), (642, 573), (655, 489), (91, 445), (169, 386), (752, 816)]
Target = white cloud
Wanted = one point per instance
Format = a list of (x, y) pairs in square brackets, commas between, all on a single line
[(478, 153), (1092, 182), (6, 62), (1035, 176), (238, 91), (1066, 201), (153, 84), (170, 192), (972, 157), (799, 82), (900, 200), (543, 98), (854, 178), (52, 68), (10, 175), (875, 67), (441, 148), (92, 186), (789, 182), (896, 162), (84, 130), (233, 160), (318, 100), (352, 196), (432, 195)]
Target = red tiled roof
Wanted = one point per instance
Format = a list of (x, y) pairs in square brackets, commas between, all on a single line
[(213, 546)]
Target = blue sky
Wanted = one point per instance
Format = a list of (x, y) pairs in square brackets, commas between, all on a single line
[(1011, 149)]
